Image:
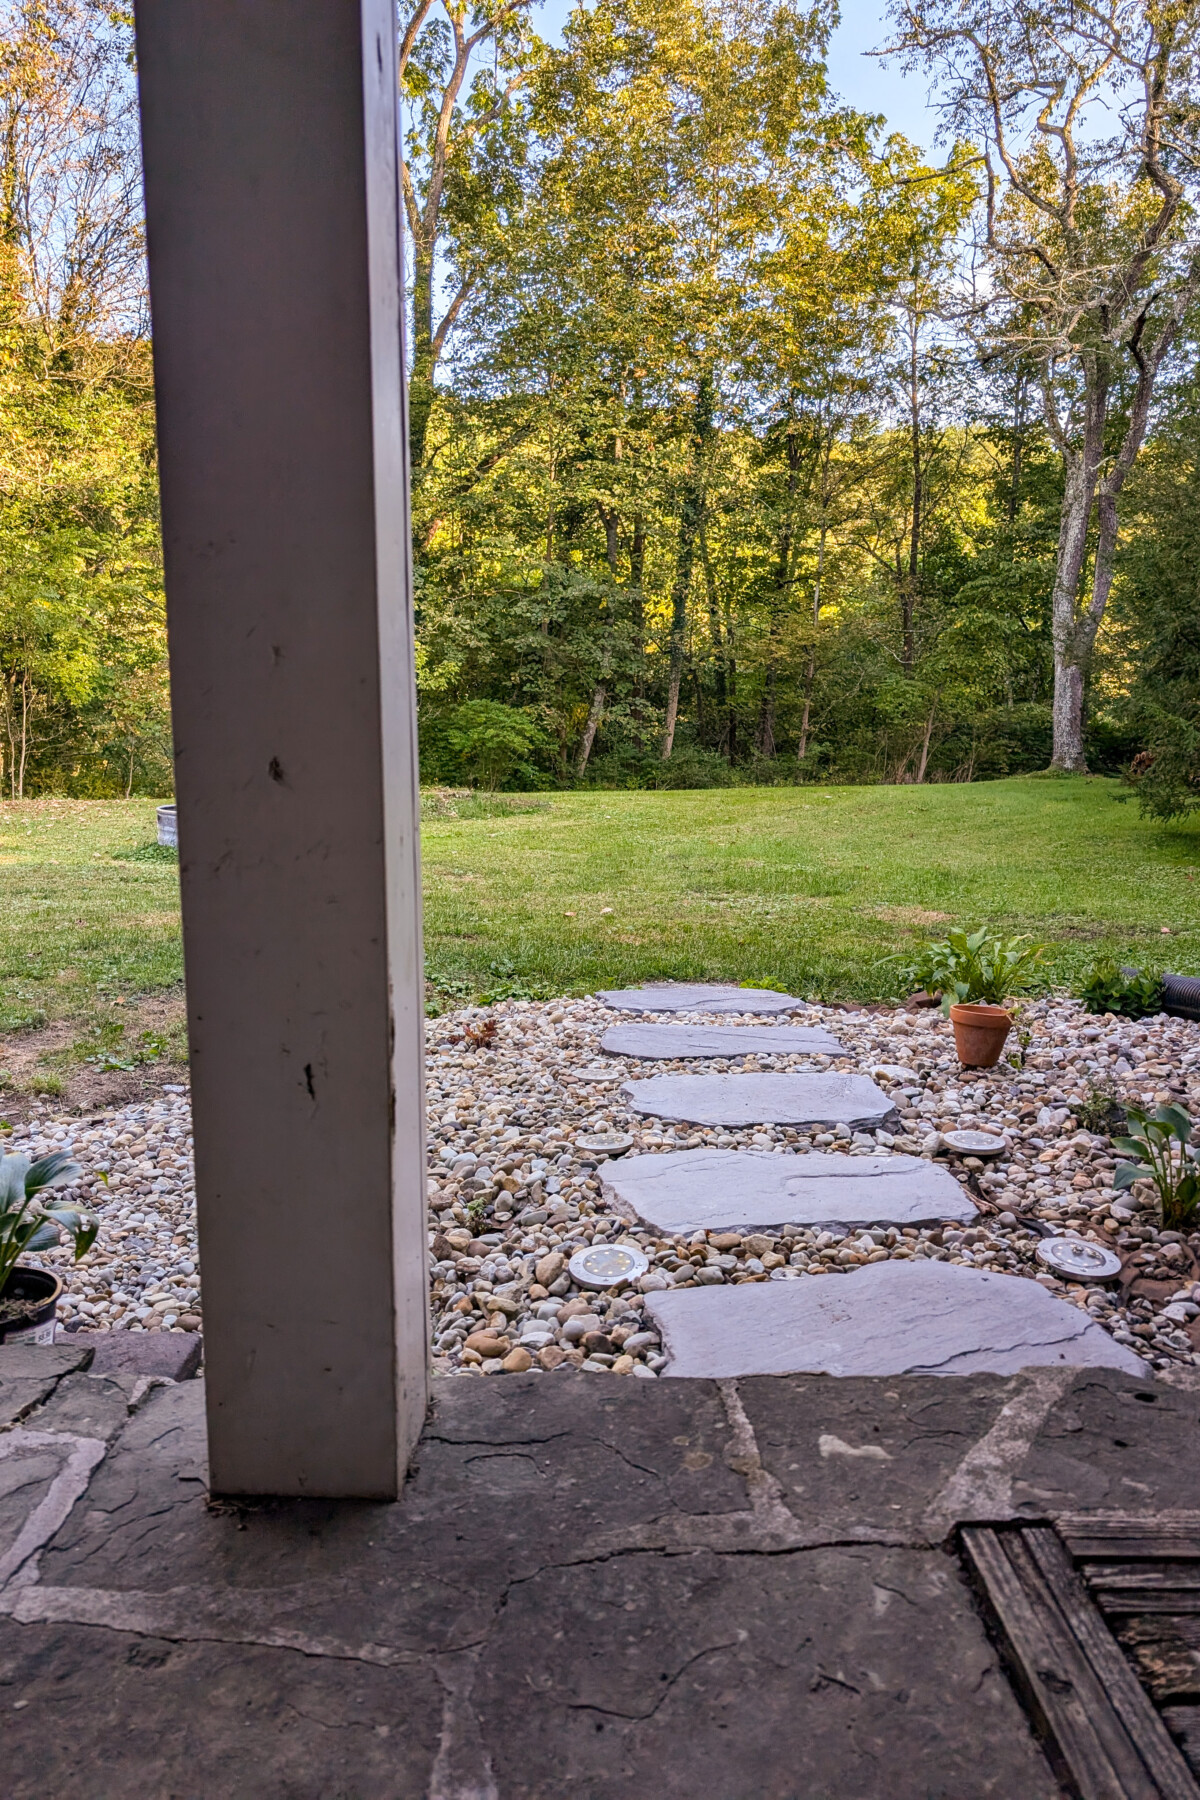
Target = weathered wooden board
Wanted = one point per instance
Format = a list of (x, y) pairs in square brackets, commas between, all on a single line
[(1099, 1725)]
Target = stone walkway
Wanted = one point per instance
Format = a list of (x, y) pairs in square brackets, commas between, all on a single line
[(887, 1320), (589, 1590), (517, 1090)]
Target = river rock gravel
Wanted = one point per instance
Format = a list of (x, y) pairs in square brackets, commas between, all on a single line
[(511, 1197)]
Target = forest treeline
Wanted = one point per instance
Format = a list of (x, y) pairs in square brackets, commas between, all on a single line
[(749, 440)]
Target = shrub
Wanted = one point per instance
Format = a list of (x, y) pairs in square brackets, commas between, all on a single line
[(494, 743), (1125, 992)]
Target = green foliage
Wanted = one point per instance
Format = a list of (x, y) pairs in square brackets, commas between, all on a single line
[(1130, 994), (153, 853), (976, 966), (26, 1223), (493, 744), (1102, 1111), (1161, 1148)]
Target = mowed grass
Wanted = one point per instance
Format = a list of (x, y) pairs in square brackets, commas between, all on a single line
[(89, 909), (811, 889)]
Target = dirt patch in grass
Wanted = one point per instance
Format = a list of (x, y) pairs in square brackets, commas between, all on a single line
[(910, 915), (129, 1053)]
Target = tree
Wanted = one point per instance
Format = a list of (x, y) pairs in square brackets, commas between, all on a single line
[(461, 154), (1092, 238)]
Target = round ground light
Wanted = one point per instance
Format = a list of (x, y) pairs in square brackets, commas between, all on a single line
[(616, 1145), (1078, 1260), (608, 1265), (975, 1143)]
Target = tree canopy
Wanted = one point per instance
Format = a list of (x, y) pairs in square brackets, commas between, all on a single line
[(749, 440)]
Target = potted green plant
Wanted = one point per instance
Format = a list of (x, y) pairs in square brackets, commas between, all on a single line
[(975, 973), (29, 1296)]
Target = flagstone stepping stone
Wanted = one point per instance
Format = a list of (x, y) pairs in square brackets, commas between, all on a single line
[(681, 1191), (891, 1318), (684, 996), (817, 1098), (678, 1041)]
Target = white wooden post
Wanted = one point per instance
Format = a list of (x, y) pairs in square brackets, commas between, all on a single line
[(274, 228)]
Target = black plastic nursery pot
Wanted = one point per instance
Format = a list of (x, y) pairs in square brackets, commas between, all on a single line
[(28, 1303)]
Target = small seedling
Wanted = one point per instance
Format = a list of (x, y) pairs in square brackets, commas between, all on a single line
[(1161, 1145), (1103, 1111)]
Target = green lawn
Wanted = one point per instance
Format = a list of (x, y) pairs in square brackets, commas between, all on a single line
[(89, 909), (808, 888)]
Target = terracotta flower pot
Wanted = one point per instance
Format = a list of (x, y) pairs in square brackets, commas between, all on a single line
[(979, 1034)]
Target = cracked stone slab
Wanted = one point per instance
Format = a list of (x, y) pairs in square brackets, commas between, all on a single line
[(819, 1098), (29, 1374), (712, 997), (680, 1191), (678, 1041), (591, 1586), (885, 1319), (164, 1353)]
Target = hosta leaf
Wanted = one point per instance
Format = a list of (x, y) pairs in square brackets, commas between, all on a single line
[(13, 1170), (1126, 1174), (1178, 1121), (44, 1238), (56, 1170)]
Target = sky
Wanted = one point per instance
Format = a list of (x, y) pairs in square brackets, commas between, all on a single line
[(855, 76)]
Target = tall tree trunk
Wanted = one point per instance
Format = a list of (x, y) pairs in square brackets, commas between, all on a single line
[(24, 757), (1074, 628), (908, 654), (609, 520), (923, 764), (716, 636), (1072, 640), (806, 716), (811, 671), (595, 714), (420, 380), (765, 744), (691, 517)]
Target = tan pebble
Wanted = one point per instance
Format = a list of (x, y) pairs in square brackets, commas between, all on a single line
[(550, 1267), (550, 1356), (623, 1366), (725, 1240), (759, 1244), (488, 1343), (517, 1361)]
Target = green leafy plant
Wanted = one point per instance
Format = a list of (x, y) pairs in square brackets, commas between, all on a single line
[(1161, 1146), (1127, 992), (494, 742), (26, 1223), (1102, 1111), (976, 967)]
